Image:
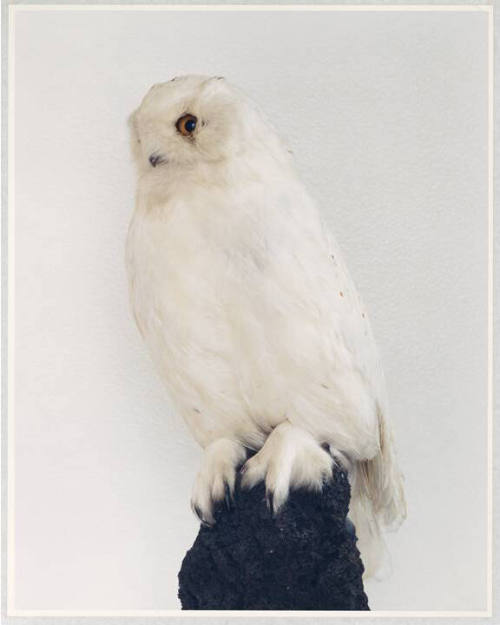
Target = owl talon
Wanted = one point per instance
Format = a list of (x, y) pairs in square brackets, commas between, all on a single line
[(197, 511), (290, 457), (270, 503), (228, 497), (216, 478)]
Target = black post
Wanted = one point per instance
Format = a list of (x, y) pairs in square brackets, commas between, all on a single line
[(305, 558)]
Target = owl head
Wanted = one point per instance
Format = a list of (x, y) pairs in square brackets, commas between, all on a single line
[(198, 120)]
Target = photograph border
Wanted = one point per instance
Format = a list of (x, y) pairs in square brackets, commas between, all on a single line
[(8, 432)]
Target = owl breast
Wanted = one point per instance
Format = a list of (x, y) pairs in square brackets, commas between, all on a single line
[(251, 318)]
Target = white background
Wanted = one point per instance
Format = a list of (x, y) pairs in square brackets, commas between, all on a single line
[(387, 116)]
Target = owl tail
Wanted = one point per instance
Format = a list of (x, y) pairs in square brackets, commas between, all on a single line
[(377, 500)]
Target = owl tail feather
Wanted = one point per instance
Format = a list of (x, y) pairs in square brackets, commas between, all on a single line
[(377, 501)]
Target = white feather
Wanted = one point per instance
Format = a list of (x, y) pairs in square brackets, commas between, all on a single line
[(245, 303)]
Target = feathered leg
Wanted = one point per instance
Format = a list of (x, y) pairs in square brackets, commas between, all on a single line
[(216, 477), (290, 458)]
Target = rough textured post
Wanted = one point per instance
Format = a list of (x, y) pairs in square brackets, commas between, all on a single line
[(305, 558)]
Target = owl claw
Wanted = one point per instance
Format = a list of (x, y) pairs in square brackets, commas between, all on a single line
[(216, 478), (270, 503), (228, 497), (290, 457), (199, 514), (349, 526)]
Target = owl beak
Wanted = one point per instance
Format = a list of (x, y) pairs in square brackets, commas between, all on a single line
[(156, 159)]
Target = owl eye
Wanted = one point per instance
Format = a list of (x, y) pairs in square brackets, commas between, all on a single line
[(186, 124)]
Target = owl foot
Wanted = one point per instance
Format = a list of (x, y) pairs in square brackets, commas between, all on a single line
[(216, 477), (290, 458)]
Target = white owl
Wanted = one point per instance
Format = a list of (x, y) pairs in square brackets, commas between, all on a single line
[(248, 310)]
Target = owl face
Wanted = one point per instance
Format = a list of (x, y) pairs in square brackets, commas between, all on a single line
[(191, 120)]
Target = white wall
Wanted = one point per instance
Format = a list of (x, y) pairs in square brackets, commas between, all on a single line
[(387, 116)]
